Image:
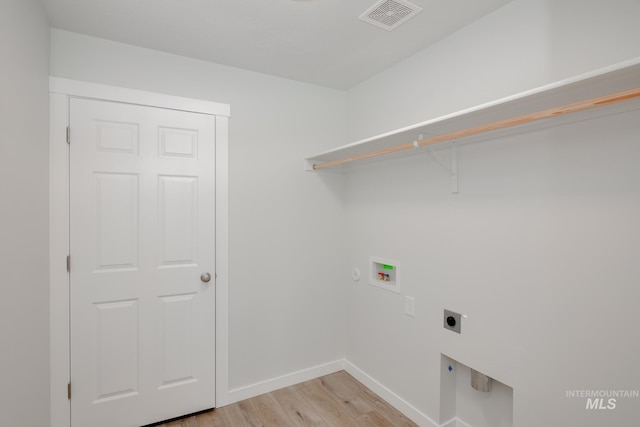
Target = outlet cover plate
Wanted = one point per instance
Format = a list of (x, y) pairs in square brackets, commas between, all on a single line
[(410, 306)]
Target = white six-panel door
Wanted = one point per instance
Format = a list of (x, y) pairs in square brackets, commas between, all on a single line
[(142, 219)]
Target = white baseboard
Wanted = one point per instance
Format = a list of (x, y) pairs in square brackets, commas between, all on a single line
[(455, 422), (460, 423), (393, 399), (252, 390)]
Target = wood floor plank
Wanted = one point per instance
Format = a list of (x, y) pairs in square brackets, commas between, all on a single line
[(327, 406), (373, 419), (189, 422), (269, 411), (173, 424), (341, 388), (210, 419), (205, 419), (237, 417), (335, 400), (344, 385), (298, 409), (176, 423), (249, 413), (220, 418), (395, 417)]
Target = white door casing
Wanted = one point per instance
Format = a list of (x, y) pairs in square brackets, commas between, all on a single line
[(140, 345)]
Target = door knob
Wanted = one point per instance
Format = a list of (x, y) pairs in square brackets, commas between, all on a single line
[(205, 277)]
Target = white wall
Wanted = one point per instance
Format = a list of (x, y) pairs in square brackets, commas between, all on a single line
[(24, 248), (540, 247), (286, 307)]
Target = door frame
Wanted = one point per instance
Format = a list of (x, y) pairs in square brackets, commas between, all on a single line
[(61, 90)]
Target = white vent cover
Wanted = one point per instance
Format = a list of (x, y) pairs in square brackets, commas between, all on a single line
[(389, 14)]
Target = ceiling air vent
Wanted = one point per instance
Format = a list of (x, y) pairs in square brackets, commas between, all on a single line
[(389, 14)]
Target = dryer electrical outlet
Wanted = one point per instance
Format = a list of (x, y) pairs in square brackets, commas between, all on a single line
[(452, 321)]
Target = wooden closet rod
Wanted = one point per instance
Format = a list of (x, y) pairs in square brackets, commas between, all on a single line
[(501, 124)]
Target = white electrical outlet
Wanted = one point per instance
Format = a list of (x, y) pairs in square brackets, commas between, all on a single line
[(410, 306)]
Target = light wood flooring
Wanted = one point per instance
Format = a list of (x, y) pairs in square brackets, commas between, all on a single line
[(334, 400)]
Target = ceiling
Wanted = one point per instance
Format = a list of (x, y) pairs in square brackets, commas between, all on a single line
[(315, 41)]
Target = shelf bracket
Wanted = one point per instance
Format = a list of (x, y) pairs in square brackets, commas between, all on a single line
[(451, 170), (308, 165), (454, 167)]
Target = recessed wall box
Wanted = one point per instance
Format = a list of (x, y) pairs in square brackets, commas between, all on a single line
[(452, 321), (384, 273), (480, 381)]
